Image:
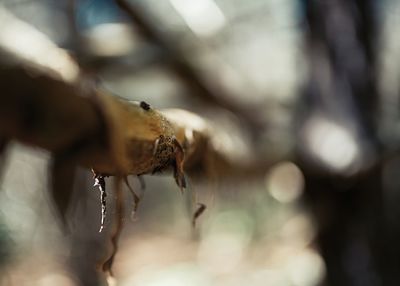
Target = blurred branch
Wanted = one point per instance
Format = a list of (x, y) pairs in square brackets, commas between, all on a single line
[(207, 158), (209, 91), (21, 43), (349, 207), (76, 37)]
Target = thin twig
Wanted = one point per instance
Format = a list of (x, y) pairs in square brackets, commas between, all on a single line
[(136, 198), (100, 182), (119, 222)]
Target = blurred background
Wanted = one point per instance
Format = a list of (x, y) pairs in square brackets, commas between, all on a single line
[(301, 100)]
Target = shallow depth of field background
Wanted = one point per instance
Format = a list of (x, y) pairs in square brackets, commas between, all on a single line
[(256, 230)]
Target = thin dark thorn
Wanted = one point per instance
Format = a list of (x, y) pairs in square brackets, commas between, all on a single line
[(201, 208)]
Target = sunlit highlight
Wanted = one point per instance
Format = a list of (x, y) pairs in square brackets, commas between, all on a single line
[(110, 39), (29, 44), (306, 269), (331, 143), (285, 182), (203, 17)]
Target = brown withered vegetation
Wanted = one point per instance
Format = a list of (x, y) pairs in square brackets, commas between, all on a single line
[(81, 124), (89, 128)]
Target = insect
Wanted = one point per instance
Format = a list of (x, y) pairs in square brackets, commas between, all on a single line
[(145, 105)]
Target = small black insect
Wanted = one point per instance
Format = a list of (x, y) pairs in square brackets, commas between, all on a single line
[(145, 105)]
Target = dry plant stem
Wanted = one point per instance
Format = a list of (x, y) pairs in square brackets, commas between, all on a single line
[(143, 141), (118, 225), (112, 136), (136, 199), (100, 182), (48, 113)]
